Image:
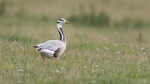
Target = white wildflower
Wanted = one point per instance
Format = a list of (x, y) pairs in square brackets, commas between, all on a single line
[(79, 54), (118, 52), (84, 67), (144, 80), (20, 70), (22, 48), (62, 68), (96, 66), (50, 77), (15, 42), (93, 81), (105, 38), (116, 33), (3, 72), (141, 48), (97, 48), (115, 44), (108, 61), (106, 48), (21, 74), (19, 81), (57, 71), (148, 49), (144, 53), (67, 76), (87, 42)]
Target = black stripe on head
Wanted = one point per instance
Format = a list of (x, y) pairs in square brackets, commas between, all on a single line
[(58, 22), (61, 20)]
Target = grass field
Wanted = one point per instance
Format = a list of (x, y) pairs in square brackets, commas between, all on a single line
[(94, 55)]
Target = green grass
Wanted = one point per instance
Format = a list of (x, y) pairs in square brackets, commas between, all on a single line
[(94, 55), (85, 59), (79, 62)]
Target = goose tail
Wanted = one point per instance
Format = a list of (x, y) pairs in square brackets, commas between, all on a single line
[(35, 46)]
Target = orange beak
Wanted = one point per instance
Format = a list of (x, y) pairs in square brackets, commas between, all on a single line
[(67, 22)]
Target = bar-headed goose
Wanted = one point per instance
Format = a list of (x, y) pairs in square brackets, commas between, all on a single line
[(53, 48)]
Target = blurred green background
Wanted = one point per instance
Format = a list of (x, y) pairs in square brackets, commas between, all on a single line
[(116, 13)]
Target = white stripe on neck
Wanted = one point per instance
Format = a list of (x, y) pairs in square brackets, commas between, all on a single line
[(60, 26)]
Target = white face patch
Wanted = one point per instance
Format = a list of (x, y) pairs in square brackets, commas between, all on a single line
[(61, 21)]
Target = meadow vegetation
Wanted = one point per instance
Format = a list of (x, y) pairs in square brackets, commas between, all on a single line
[(114, 52)]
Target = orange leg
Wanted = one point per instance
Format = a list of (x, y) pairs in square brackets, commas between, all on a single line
[(55, 61), (43, 59)]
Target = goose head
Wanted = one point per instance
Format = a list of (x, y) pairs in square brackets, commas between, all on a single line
[(62, 21)]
